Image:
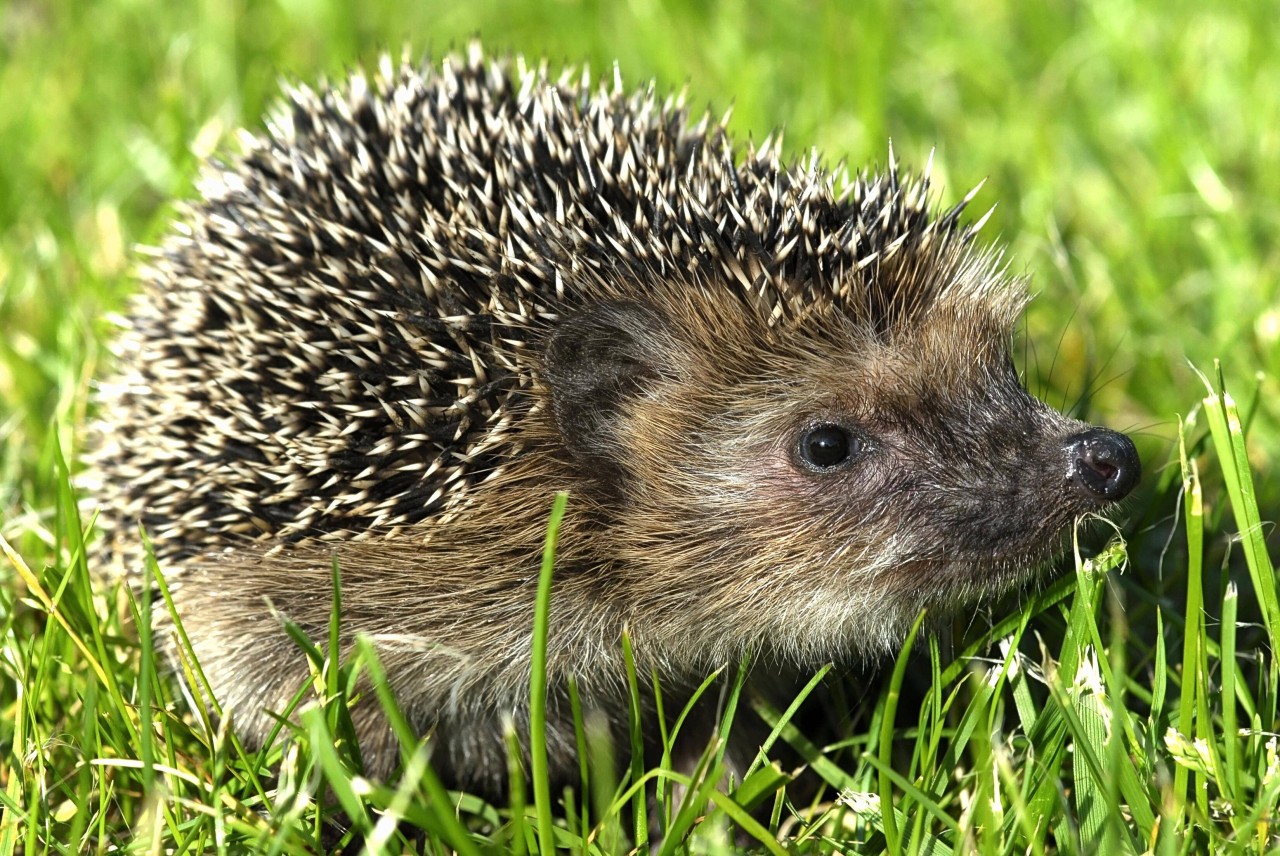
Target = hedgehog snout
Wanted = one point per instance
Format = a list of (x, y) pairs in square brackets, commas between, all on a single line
[(1102, 465)]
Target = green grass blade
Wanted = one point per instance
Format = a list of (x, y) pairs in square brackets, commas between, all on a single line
[(1193, 633), (780, 722), (640, 814), (1095, 791), (894, 692), (731, 707), (918, 797), (1228, 441), (539, 767), (1227, 657), (346, 788), (743, 819)]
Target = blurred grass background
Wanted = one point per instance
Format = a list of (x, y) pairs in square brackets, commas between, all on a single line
[(1131, 146)]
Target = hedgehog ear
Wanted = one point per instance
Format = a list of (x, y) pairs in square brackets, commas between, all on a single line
[(597, 359)]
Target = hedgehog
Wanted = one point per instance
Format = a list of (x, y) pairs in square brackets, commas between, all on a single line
[(423, 301)]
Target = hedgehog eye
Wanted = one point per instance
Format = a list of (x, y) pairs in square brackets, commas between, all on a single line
[(827, 446)]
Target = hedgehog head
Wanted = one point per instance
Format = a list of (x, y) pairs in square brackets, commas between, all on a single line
[(831, 450)]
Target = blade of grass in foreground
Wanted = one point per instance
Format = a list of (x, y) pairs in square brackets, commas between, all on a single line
[(538, 683), (762, 756), (886, 737), (1228, 442), (447, 825), (1230, 738), (1193, 632), (641, 816)]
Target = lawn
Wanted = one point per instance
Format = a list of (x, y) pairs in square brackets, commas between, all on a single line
[(1127, 704)]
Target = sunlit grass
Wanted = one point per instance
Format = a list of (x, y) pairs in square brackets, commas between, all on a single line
[(1128, 705)]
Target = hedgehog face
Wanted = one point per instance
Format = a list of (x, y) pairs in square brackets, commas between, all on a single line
[(821, 464)]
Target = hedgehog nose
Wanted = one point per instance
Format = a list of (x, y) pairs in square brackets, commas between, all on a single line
[(1102, 464)]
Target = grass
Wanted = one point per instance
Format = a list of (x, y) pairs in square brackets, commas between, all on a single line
[(1130, 706)]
